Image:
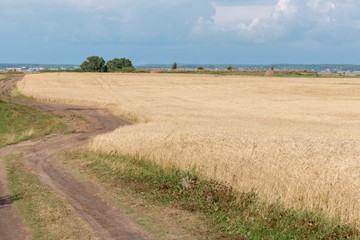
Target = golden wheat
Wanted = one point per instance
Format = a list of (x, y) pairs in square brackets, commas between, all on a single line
[(289, 139)]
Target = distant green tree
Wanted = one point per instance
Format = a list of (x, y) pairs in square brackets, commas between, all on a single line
[(94, 64), (272, 67), (174, 66), (118, 65), (229, 68), (200, 68)]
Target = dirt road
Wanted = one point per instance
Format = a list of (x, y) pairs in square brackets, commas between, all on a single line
[(84, 196)]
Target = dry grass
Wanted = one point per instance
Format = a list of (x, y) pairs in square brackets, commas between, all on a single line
[(291, 139), (47, 215)]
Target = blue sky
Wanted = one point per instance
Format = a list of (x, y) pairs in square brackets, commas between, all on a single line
[(185, 31)]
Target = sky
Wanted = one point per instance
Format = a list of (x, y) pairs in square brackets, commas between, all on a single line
[(185, 31)]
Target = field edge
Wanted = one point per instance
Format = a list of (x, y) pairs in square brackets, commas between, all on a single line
[(218, 202)]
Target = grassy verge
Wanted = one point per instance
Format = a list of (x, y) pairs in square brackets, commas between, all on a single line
[(20, 123), (4, 78), (236, 215), (47, 215)]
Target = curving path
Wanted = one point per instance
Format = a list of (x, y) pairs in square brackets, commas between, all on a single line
[(84, 196)]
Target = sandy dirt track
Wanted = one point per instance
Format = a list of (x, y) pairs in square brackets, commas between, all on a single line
[(11, 225), (84, 196)]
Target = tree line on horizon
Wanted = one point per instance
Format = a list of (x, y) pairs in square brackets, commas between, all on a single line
[(98, 64)]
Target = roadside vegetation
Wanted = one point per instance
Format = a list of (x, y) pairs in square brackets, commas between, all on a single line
[(20, 123), (5, 78), (236, 215), (47, 214)]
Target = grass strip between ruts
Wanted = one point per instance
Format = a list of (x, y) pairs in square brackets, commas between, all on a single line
[(46, 214)]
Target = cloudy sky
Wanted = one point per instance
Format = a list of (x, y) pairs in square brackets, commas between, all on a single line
[(185, 31)]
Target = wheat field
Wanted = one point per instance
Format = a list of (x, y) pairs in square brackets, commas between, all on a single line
[(296, 140)]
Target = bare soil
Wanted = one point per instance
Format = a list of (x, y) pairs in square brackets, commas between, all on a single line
[(84, 196)]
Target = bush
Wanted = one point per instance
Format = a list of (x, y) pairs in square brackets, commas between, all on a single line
[(119, 65), (94, 64), (97, 64)]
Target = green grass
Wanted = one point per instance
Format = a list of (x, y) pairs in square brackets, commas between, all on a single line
[(46, 214), (237, 215), (82, 118), (18, 123)]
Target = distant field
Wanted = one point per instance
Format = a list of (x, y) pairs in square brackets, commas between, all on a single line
[(294, 139)]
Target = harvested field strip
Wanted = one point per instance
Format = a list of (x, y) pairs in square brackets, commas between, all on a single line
[(235, 215), (294, 140), (47, 215)]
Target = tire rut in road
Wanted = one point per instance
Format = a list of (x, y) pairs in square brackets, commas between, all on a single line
[(11, 224), (84, 196)]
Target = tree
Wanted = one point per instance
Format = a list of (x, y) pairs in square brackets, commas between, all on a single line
[(272, 67), (94, 64), (174, 66), (117, 65), (200, 68), (229, 68)]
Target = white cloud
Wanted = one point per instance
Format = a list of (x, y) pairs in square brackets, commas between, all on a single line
[(251, 26), (283, 18), (234, 14), (283, 5), (321, 5), (283, 8), (314, 3)]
